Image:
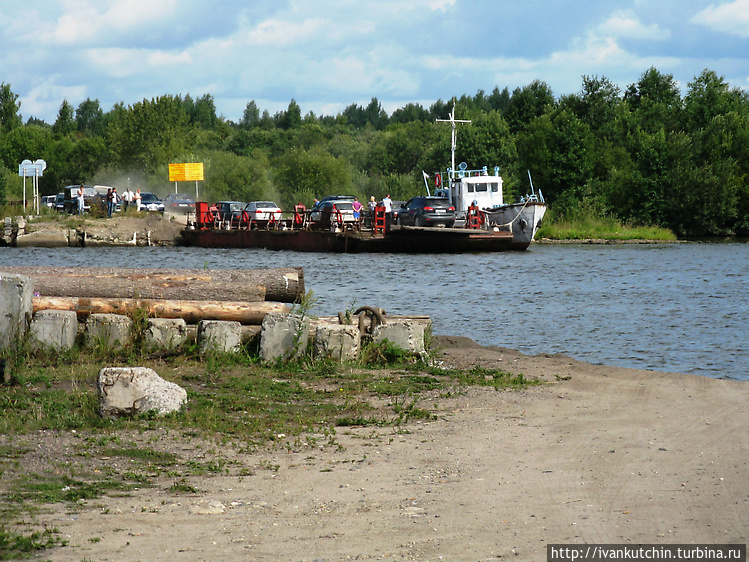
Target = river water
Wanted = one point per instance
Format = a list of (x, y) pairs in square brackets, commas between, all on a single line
[(664, 307)]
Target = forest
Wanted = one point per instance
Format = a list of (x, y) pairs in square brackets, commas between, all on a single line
[(643, 156)]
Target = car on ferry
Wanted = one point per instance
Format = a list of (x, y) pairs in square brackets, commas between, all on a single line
[(262, 211), (229, 211), (427, 211), (322, 214)]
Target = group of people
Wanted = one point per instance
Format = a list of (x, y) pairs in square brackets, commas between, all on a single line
[(112, 198)]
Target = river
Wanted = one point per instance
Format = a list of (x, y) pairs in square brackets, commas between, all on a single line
[(664, 307)]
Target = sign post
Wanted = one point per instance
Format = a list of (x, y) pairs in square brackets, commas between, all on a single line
[(186, 172), (35, 170)]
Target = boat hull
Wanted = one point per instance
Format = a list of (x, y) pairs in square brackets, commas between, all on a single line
[(411, 240), (522, 218)]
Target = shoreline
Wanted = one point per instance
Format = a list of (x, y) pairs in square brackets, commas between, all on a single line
[(156, 230), (597, 455)]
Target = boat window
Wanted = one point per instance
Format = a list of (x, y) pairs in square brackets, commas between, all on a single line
[(495, 187), (480, 187), (470, 188)]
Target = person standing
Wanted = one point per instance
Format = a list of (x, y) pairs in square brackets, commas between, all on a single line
[(357, 207), (388, 204), (81, 201), (127, 197), (110, 202), (136, 199)]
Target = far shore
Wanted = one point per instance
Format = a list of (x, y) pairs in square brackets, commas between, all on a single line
[(155, 229)]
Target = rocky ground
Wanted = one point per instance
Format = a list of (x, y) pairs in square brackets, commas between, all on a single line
[(120, 229), (598, 455)]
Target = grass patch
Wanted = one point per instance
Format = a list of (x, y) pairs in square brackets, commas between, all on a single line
[(601, 229), (232, 399), (15, 546)]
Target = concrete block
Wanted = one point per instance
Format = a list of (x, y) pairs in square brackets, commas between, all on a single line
[(219, 335), (43, 239), (53, 329), (283, 336), (16, 308), (337, 341), (113, 331), (165, 334), (125, 391), (406, 334)]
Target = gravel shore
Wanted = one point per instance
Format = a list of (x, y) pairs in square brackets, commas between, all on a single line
[(598, 455)]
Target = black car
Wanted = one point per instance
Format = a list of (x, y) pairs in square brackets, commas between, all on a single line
[(150, 202), (179, 204), (229, 211), (427, 211), (60, 202)]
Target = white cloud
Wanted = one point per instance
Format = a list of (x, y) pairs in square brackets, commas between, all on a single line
[(277, 33), (84, 21), (625, 24), (731, 18), (161, 58)]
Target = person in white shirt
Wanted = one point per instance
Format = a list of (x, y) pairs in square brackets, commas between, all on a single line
[(127, 197), (388, 204)]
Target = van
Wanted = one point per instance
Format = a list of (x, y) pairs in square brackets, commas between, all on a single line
[(70, 202)]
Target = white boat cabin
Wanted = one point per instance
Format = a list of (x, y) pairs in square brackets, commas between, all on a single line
[(466, 187)]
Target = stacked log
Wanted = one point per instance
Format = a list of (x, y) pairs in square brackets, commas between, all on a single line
[(192, 294)]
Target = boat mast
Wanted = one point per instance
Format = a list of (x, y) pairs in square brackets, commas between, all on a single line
[(452, 122)]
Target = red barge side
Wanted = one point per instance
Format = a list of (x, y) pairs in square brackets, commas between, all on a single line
[(414, 240)]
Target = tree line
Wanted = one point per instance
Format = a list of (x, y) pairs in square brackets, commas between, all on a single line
[(646, 155)]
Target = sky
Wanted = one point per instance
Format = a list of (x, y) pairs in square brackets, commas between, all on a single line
[(329, 54)]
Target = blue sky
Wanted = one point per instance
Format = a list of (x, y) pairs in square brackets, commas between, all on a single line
[(327, 54)]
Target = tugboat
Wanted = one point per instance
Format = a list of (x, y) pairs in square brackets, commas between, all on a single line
[(478, 200)]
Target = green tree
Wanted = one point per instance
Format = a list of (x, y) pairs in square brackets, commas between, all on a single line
[(709, 96), (596, 105), (291, 118), (410, 112), (148, 134), (558, 149), (655, 100), (65, 122), (27, 142), (251, 116), (89, 118), (203, 113), (9, 108), (313, 171), (237, 178), (528, 103)]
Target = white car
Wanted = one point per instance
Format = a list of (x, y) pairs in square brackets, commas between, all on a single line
[(262, 211)]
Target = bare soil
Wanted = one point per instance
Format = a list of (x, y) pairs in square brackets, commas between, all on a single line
[(159, 229), (598, 455)]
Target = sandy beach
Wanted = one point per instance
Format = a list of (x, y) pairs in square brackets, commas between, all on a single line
[(598, 455)]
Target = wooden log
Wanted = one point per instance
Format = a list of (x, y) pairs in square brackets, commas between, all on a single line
[(241, 285), (191, 311)]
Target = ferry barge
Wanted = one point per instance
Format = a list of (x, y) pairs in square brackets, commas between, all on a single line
[(395, 239)]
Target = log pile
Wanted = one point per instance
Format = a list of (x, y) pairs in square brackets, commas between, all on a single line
[(192, 294)]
